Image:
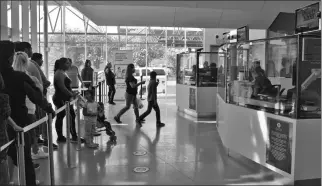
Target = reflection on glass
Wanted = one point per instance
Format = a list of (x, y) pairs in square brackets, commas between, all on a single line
[(187, 69)]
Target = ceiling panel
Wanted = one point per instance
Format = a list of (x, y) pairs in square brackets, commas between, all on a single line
[(202, 14)]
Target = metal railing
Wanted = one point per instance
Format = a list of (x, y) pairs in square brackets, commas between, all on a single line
[(21, 143)]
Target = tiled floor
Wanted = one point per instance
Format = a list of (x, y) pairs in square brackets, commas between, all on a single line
[(184, 152)]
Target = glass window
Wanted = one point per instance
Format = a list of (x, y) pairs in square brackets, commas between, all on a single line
[(309, 79), (209, 64), (160, 72), (144, 72), (137, 73), (186, 69), (260, 75)]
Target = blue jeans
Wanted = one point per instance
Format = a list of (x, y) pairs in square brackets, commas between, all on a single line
[(130, 99)]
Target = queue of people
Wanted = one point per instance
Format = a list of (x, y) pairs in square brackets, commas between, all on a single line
[(23, 100)]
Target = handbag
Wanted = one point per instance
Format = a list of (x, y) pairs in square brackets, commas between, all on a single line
[(139, 102)]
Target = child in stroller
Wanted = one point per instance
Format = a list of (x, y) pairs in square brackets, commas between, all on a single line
[(101, 122)]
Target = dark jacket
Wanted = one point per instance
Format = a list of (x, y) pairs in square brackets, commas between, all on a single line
[(109, 76), (5, 112), (87, 75), (152, 90), (18, 86)]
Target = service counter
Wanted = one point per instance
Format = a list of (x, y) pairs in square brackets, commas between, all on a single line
[(264, 138), (270, 111), (199, 102)]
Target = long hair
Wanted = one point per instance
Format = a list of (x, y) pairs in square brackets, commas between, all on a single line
[(59, 64), (129, 70), (20, 62), (7, 49)]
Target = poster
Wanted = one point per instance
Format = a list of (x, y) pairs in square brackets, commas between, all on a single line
[(279, 147), (121, 59), (192, 99)]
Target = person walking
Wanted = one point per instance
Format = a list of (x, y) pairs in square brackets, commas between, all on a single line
[(87, 74), (63, 93), (110, 81), (18, 85), (130, 95), (152, 100)]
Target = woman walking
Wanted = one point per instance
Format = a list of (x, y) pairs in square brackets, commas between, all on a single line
[(63, 93), (130, 95)]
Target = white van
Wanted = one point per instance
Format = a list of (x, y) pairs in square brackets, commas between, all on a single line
[(161, 75)]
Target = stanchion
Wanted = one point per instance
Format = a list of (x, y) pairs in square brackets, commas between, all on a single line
[(50, 149), (99, 92), (21, 158), (141, 87), (78, 124), (68, 119)]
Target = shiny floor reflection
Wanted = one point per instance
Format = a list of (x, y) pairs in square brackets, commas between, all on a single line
[(184, 152)]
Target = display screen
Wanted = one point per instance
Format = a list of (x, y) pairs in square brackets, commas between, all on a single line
[(306, 18), (242, 34)]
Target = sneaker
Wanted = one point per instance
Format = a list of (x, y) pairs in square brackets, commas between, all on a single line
[(40, 155), (36, 165), (37, 182), (40, 141), (117, 119), (112, 103), (138, 123), (74, 140), (55, 147), (142, 120), (61, 139), (159, 124)]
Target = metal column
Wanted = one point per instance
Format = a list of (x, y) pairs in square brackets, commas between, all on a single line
[(25, 20), (64, 26), (15, 31), (34, 25), (46, 37), (4, 21)]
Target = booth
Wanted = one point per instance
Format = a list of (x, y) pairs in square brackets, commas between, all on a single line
[(270, 111), (197, 81)]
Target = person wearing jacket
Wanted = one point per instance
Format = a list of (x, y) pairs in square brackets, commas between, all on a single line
[(87, 74), (19, 86), (64, 93), (110, 81), (37, 59)]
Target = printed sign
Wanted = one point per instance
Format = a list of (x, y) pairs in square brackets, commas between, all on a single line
[(279, 147), (121, 59), (306, 18), (192, 99)]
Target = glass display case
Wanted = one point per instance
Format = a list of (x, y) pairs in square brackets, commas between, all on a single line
[(269, 74), (200, 69)]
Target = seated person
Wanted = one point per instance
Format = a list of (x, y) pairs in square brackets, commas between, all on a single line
[(213, 68), (256, 64), (262, 85)]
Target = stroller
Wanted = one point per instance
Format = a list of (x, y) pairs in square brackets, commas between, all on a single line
[(102, 123)]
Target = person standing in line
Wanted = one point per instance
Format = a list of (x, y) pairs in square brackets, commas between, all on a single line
[(73, 74), (37, 59), (63, 93), (19, 86), (152, 100), (87, 74), (34, 72), (5, 112), (130, 95), (21, 64), (110, 81)]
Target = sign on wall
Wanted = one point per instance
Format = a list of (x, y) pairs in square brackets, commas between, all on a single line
[(279, 147), (192, 99), (121, 59)]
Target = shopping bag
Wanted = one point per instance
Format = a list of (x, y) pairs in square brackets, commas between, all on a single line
[(140, 104)]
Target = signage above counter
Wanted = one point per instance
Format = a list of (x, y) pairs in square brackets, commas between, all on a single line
[(307, 18)]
